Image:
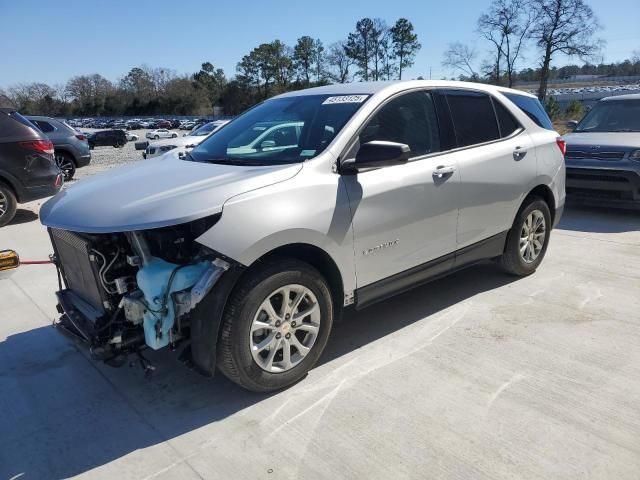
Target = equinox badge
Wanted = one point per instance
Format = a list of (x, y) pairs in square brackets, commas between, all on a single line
[(382, 246)]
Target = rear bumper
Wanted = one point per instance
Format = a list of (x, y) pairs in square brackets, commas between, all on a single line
[(28, 194), (609, 186), (83, 161)]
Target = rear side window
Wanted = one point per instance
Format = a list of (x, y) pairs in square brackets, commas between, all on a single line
[(474, 119), (508, 124), (533, 108)]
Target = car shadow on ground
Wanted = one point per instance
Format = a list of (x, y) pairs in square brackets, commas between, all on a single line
[(23, 216), (580, 218), (64, 415)]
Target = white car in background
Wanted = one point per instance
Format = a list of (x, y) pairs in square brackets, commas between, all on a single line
[(160, 133), (132, 137), (184, 143)]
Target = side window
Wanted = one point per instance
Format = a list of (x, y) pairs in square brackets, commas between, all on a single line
[(508, 124), (409, 119), (533, 108), (474, 119), (45, 127)]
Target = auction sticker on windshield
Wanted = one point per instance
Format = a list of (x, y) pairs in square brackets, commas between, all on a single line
[(345, 99)]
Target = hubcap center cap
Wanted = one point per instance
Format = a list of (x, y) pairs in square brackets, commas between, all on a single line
[(285, 328)]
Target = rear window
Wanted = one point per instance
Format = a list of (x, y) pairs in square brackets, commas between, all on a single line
[(21, 119), (533, 108), (474, 119), (45, 127)]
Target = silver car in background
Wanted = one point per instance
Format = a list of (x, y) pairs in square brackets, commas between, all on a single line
[(184, 143), (246, 256)]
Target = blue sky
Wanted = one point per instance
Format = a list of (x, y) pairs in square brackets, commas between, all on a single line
[(51, 41)]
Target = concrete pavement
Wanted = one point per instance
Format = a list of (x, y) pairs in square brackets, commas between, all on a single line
[(478, 375)]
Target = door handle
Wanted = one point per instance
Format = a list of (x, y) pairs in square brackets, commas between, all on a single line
[(443, 170), (519, 153)]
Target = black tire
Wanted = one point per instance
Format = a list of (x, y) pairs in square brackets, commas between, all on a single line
[(8, 204), (174, 135), (157, 137), (512, 259), (234, 356), (66, 163)]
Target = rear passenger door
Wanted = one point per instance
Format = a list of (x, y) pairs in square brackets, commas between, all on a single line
[(496, 160)]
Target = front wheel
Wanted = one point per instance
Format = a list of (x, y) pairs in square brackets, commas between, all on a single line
[(157, 137), (174, 135), (528, 238), (275, 326)]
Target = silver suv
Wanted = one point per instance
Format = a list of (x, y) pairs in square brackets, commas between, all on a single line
[(246, 256)]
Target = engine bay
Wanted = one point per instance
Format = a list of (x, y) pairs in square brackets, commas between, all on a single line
[(124, 292)]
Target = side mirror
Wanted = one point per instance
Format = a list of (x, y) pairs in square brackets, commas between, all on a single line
[(9, 261), (572, 124), (378, 154)]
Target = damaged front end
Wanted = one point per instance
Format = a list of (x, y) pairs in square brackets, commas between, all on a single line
[(123, 292)]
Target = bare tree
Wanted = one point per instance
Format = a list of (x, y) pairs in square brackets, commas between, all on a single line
[(460, 57), (563, 26), (339, 62), (506, 25)]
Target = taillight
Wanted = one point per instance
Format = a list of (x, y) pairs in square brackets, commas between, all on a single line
[(81, 137), (44, 146), (562, 145)]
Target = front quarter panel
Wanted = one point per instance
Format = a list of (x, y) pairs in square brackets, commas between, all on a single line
[(311, 208)]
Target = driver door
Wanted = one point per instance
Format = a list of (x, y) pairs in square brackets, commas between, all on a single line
[(404, 216)]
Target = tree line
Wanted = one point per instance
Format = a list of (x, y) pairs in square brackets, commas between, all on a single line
[(510, 29), (373, 51)]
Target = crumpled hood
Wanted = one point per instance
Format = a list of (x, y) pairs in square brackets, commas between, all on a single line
[(154, 193), (629, 140)]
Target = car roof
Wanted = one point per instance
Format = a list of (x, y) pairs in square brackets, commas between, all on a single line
[(371, 88), (630, 96)]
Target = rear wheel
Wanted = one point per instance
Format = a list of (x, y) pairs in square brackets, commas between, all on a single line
[(174, 135), (66, 164), (8, 204), (528, 238), (275, 326), (157, 137)]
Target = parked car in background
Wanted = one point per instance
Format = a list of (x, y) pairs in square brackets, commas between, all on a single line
[(71, 148), (133, 125), (188, 125), (603, 154), (132, 137), (108, 138), (247, 258), (160, 133), (183, 144), (163, 124), (175, 123), (28, 170)]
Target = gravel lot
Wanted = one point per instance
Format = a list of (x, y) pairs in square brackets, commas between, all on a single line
[(104, 158)]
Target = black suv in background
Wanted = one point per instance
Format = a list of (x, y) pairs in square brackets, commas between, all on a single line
[(71, 147), (108, 138), (28, 170)]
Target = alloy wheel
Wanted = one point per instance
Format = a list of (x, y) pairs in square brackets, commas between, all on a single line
[(4, 204), (66, 165), (285, 328), (532, 236)]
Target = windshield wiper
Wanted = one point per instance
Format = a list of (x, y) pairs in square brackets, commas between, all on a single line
[(231, 161)]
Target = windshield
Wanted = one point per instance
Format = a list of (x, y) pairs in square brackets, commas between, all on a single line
[(612, 116), (279, 131)]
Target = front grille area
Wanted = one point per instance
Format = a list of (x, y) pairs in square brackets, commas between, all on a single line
[(596, 177), (80, 273), (594, 155)]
